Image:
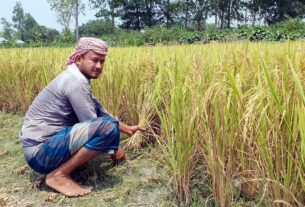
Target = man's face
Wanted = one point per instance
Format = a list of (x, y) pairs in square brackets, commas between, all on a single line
[(91, 64)]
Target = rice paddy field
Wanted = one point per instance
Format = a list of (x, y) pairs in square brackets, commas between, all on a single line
[(228, 119)]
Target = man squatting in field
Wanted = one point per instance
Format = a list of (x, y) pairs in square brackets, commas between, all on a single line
[(66, 126)]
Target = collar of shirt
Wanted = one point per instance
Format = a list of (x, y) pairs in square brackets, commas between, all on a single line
[(76, 72)]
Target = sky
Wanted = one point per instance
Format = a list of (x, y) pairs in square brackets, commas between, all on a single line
[(41, 11)]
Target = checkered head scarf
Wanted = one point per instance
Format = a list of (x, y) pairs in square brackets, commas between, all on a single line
[(84, 45)]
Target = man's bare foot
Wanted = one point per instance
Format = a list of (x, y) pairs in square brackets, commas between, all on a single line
[(65, 185), (86, 186)]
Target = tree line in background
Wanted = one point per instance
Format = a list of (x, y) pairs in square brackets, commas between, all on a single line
[(142, 15), (193, 14), (24, 27)]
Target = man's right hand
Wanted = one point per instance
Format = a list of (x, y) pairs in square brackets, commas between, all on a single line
[(118, 156)]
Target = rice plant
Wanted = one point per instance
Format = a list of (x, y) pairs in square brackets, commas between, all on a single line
[(233, 112)]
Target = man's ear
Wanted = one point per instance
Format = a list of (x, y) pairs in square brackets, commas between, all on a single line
[(78, 59)]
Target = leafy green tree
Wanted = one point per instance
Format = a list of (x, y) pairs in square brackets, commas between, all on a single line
[(32, 30), (227, 11), (7, 29), (97, 28), (27, 27), (29, 22), (151, 12), (138, 14), (186, 11), (66, 37), (107, 9), (201, 12), (66, 10), (254, 7), (132, 11), (52, 34), (36, 33), (279, 10), (169, 12), (18, 19), (274, 11)]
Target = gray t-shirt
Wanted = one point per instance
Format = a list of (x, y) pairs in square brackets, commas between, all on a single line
[(65, 101)]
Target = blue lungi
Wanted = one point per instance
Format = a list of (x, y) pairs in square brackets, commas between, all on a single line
[(101, 134)]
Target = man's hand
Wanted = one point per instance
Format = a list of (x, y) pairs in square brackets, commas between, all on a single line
[(133, 129), (118, 157), (130, 130)]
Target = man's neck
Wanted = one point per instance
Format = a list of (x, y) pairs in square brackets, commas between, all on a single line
[(73, 68)]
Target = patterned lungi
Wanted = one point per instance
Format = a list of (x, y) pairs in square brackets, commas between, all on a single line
[(101, 134)]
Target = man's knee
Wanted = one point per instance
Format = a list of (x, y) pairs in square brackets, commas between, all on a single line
[(113, 128), (106, 135), (108, 126)]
